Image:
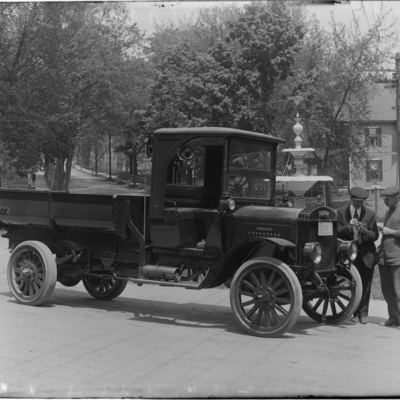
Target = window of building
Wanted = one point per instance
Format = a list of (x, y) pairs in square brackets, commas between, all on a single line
[(373, 137), (374, 170)]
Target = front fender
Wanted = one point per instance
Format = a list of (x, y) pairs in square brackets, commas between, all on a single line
[(241, 252)]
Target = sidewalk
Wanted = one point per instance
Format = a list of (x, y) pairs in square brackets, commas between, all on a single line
[(85, 181), (22, 183), (103, 175)]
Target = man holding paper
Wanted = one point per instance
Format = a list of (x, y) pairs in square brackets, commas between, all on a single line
[(357, 222)]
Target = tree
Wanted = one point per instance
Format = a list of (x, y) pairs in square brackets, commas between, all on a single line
[(215, 87), (200, 31), (270, 39), (334, 74), (21, 127), (73, 61)]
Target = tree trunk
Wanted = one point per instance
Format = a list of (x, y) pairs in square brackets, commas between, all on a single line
[(328, 198), (46, 168), (134, 162), (58, 177), (130, 164), (96, 161), (68, 168), (61, 176), (109, 156), (397, 75)]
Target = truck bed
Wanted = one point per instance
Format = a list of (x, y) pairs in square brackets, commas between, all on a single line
[(62, 210)]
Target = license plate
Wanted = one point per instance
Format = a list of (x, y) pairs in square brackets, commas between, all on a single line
[(325, 229)]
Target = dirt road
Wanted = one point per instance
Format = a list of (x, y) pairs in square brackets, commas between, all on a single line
[(170, 342)]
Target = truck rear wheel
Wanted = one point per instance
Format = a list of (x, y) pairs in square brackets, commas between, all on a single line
[(266, 297), (102, 288), (340, 301), (32, 273)]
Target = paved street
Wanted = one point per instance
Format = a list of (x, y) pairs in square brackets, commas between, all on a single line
[(170, 342)]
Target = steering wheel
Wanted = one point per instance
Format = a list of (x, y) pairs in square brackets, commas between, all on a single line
[(238, 186)]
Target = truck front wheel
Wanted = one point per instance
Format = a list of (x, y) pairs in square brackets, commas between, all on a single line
[(102, 288), (32, 273), (266, 297), (340, 298)]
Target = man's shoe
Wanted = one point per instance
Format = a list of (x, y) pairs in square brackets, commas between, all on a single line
[(390, 322), (354, 318), (363, 319)]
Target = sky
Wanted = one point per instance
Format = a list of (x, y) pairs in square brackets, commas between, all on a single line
[(144, 13)]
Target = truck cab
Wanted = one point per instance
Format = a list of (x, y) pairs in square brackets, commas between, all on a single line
[(194, 170)]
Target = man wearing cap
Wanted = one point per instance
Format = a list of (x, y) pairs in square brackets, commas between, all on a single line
[(357, 222), (389, 255)]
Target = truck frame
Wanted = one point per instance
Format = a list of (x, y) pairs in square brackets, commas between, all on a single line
[(210, 220)]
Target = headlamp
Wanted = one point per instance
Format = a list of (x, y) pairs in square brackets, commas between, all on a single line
[(227, 204), (347, 249), (313, 251)]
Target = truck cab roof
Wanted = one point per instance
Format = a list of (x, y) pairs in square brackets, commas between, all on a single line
[(218, 131)]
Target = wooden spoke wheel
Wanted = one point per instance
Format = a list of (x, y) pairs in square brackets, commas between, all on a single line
[(32, 273), (266, 297), (340, 299), (104, 288)]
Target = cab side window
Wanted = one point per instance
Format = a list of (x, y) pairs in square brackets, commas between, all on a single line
[(250, 170)]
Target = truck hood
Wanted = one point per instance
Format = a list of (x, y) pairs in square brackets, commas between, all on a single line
[(265, 213)]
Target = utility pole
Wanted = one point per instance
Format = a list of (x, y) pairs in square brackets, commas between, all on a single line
[(397, 86), (109, 154)]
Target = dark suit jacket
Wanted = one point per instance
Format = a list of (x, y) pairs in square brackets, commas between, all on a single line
[(367, 247)]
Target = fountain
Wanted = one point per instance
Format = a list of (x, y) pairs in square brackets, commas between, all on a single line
[(300, 183)]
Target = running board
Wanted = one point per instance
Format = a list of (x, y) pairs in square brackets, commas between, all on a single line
[(141, 282)]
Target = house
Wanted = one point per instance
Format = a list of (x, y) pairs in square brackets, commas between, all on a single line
[(381, 138)]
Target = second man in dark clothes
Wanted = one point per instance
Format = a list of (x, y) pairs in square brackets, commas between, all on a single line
[(389, 255)]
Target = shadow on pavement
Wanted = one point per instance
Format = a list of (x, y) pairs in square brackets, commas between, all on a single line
[(163, 312), (167, 313)]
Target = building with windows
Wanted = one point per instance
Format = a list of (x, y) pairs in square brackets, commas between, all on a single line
[(381, 138)]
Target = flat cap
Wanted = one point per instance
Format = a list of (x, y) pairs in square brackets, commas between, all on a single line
[(358, 193), (390, 191)]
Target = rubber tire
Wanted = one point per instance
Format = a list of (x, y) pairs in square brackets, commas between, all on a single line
[(350, 308), (117, 286), (291, 282), (48, 263)]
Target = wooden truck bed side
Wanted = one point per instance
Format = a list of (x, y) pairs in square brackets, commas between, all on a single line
[(57, 210)]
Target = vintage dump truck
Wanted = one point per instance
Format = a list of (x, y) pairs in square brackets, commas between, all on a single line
[(210, 218)]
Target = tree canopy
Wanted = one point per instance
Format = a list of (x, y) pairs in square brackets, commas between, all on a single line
[(72, 74), (334, 75), (65, 67)]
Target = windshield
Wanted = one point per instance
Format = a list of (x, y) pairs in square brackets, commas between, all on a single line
[(249, 170)]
